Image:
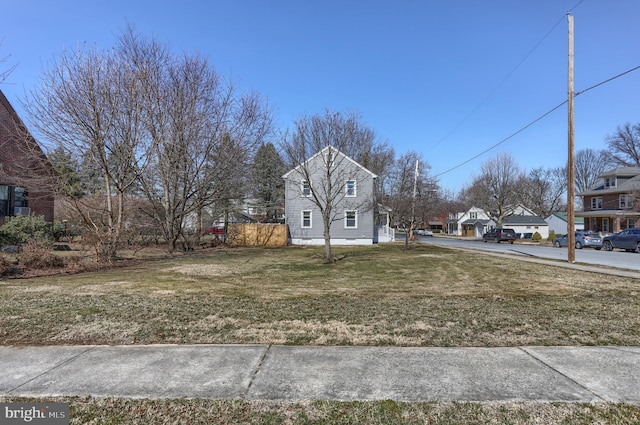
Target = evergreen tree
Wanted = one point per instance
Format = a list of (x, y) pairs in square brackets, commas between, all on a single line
[(268, 185)]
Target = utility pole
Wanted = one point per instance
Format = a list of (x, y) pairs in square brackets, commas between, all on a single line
[(571, 251), (413, 202)]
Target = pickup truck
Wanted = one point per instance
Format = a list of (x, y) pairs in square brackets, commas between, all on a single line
[(500, 234)]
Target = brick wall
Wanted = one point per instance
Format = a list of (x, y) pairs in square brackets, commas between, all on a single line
[(23, 164)]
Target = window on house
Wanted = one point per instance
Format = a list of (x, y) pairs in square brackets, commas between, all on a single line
[(625, 202), (631, 222), (350, 219), (306, 219), (13, 201), (610, 182), (350, 188), (596, 203), (473, 215), (306, 188), (605, 224), (4, 201)]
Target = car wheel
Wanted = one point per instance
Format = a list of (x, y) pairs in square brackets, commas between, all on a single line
[(511, 242), (556, 244), (578, 245), (497, 240), (607, 246), (638, 247)]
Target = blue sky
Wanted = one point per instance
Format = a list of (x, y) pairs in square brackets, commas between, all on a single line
[(448, 79)]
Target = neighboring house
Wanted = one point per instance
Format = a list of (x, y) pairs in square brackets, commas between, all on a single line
[(435, 223), (558, 223), (610, 206), (473, 223), (24, 169), (526, 225), (359, 220)]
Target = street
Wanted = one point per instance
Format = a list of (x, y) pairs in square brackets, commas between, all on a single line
[(618, 259)]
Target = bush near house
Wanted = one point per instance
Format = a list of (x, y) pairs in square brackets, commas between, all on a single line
[(22, 229), (537, 237)]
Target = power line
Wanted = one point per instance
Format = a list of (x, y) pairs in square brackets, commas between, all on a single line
[(504, 80), (534, 121)]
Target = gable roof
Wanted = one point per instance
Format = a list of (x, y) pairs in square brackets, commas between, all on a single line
[(524, 220), (564, 217), (335, 151)]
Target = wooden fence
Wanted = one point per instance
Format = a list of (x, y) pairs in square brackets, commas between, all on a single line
[(258, 234)]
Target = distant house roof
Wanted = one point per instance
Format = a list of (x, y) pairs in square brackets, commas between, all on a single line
[(628, 180), (523, 220), (474, 221), (563, 216)]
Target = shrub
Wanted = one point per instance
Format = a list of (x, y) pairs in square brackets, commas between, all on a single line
[(21, 229), (552, 236), (38, 255), (7, 267), (537, 237)]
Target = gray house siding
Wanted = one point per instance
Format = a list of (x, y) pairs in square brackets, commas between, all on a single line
[(296, 202)]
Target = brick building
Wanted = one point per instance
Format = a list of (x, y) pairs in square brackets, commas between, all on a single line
[(613, 205), (25, 172)]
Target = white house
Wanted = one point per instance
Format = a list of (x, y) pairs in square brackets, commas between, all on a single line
[(525, 223), (474, 223), (558, 223)]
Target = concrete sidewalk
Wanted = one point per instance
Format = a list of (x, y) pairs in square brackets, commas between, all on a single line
[(564, 374)]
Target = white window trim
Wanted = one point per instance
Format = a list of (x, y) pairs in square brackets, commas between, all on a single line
[(302, 184), (624, 202), (355, 188), (302, 226), (596, 203), (605, 224), (356, 219)]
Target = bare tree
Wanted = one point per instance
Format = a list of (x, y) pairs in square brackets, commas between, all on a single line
[(4, 74), (496, 189), (542, 190), (624, 146), (407, 209), (337, 138), (88, 103)]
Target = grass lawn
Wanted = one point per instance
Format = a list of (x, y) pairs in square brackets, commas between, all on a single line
[(376, 295)]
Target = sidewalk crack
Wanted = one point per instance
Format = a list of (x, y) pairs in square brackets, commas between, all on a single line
[(69, 360), (256, 371), (542, 362)]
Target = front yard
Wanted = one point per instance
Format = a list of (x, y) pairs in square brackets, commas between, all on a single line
[(379, 295)]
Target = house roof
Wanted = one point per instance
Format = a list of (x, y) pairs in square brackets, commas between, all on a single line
[(630, 183), (474, 221), (622, 172), (564, 217), (524, 220), (333, 149)]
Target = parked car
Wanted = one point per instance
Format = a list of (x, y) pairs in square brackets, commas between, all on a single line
[(500, 234), (628, 239), (214, 230), (423, 232), (583, 239)]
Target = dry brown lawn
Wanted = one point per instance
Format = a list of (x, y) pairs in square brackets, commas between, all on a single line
[(377, 295)]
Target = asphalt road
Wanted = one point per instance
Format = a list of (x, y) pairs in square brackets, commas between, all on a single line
[(618, 259)]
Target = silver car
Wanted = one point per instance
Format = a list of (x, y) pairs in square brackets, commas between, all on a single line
[(584, 239)]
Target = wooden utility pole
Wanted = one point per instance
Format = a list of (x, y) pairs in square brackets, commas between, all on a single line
[(571, 251)]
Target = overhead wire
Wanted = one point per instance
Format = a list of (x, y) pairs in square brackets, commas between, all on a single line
[(504, 80), (535, 121)]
